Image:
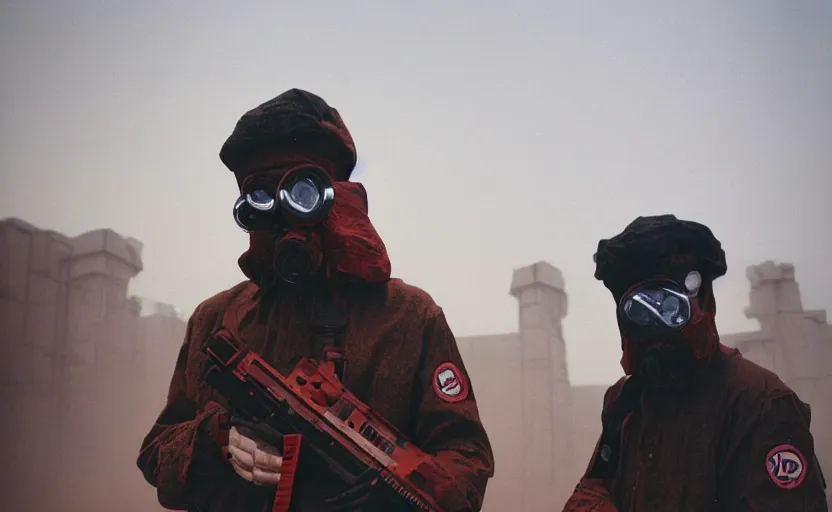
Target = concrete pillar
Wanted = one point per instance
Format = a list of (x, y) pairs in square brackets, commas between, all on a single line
[(802, 350), (102, 372), (75, 379), (774, 301), (545, 388)]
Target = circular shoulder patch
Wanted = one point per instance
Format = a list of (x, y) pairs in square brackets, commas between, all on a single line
[(786, 466), (449, 383)]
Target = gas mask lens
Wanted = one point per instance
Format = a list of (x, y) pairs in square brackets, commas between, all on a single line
[(254, 211), (303, 196), (657, 304), (260, 200), (306, 195)]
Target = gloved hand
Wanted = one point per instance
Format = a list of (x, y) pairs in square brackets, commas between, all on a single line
[(255, 452)]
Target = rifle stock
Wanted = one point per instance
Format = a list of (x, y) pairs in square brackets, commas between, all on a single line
[(311, 404)]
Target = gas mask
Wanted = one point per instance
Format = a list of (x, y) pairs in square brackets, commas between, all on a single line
[(659, 320), (293, 211)]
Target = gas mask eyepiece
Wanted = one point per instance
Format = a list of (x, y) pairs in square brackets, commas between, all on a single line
[(304, 197), (255, 211), (661, 304)]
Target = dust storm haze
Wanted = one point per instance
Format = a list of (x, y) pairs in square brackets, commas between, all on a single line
[(491, 136)]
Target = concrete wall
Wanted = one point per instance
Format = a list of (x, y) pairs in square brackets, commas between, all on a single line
[(76, 365)]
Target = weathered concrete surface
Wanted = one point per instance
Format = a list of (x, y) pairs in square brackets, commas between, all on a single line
[(80, 374)]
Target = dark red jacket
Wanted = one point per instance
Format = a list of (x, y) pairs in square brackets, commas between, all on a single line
[(738, 442), (396, 339)]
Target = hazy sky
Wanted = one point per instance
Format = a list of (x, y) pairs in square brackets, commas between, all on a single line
[(491, 135)]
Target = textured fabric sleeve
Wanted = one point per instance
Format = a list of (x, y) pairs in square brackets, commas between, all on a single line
[(183, 452), (777, 468), (590, 495), (448, 424)]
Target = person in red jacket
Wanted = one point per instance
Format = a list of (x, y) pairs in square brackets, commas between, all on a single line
[(693, 426), (292, 157)]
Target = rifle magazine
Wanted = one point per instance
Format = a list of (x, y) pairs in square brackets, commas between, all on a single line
[(291, 453)]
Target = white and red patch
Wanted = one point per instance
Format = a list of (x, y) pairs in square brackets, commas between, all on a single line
[(449, 383), (786, 466)]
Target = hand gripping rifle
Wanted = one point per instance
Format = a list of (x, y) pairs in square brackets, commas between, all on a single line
[(311, 408)]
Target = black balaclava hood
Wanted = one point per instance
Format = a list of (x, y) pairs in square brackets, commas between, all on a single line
[(664, 247)]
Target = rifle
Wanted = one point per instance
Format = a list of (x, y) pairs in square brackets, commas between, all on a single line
[(311, 408)]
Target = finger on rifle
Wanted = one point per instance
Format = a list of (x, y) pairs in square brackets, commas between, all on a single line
[(261, 431), (241, 440), (267, 461), (269, 435), (266, 477), (241, 457)]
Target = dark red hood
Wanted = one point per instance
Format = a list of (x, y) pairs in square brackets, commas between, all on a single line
[(294, 122), (294, 129)]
